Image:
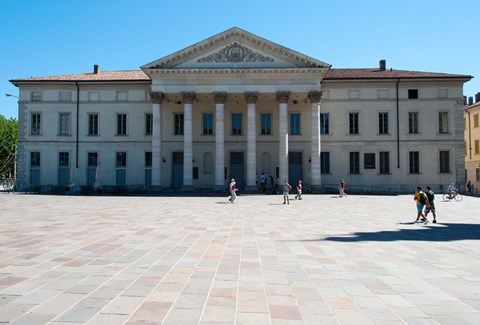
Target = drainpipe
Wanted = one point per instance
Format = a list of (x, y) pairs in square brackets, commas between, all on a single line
[(78, 114), (398, 125)]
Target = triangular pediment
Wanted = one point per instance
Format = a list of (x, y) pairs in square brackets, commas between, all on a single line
[(235, 49)]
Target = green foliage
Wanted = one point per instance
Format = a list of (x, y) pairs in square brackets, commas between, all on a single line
[(8, 144)]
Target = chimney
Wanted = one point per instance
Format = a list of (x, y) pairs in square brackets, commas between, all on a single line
[(96, 69), (477, 97), (470, 100), (464, 100), (383, 65)]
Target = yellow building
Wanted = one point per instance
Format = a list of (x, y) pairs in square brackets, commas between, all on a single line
[(472, 141)]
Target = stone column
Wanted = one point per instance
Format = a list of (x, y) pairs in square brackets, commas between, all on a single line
[(220, 99), (157, 99), (282, 98), (251, 99), (316, 180), (187, 98)]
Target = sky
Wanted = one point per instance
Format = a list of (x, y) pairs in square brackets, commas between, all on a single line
[(56, 37)]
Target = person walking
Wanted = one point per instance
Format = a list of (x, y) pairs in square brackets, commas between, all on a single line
[(431, 205), (286, 189), (469, 188), (420, 200), (263, 182), (342, 188), (299, 190), (233, 190)]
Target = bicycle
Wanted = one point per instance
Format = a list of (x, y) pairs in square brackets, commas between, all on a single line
[(7, 184), (455, 195)]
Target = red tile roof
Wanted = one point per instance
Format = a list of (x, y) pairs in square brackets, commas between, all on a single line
[(332, 74)]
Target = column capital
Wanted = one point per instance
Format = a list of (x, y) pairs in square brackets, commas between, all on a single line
[(188, 97), (220, 97), (315, 96), (283, 96), (157, 97), (251, 97)]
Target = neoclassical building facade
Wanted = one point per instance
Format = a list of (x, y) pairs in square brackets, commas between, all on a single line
[(235, 106)]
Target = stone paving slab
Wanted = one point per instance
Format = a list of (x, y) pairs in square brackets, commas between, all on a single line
[(202, 260)]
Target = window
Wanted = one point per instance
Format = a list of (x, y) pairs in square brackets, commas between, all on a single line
[(122, 96), (121, 168), (236, 124), (178, 127), (477, 174), (353, 123), (444, 162), (148, 159), (36, 126), (414, 162), (443, 122), (413, 122), (92, 163), (266, 124), (207, 124), (383, 123), (324, 123), (384, 162), (475, 120), (92, 124), (294, 124), (63, 168), (65, 96), (325, 162), (36, 96), (354, 163), (148, 124), (93, 96), (35, 168), (413, 94), (122, 124), (64, 127), (477, 147)]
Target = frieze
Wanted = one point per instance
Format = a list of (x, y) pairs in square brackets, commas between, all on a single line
[(235, 53), (283, 96), (315, 96), (220, 97), (251, 97), (156, 97)]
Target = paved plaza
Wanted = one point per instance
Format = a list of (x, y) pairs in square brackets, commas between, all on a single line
[(201, 260)]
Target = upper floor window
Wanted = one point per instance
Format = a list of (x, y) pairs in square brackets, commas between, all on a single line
[(122, 95), (383, 123), (148, 124), (353, 123), (178, 126), (207, 124), (266, 124), (36, 96), (443, 122), (36, 124), (122, 124), (476, 147), (64, 124), (236, 124), (413, 94), (475, 120), (294, 124), (413, 122), (324, 123), (93, 124), (65, 96)]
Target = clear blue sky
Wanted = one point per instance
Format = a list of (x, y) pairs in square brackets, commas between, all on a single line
[(55, 37)]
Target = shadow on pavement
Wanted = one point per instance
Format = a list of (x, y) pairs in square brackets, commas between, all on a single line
[(438, 232)]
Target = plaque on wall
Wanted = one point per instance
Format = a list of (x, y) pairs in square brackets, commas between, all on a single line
[(369, 161)]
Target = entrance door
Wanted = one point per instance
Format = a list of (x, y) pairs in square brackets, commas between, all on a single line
[(177, 170), (294, 167), (237, 168)]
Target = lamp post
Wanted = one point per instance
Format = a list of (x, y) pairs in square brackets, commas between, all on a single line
[(10, 95)]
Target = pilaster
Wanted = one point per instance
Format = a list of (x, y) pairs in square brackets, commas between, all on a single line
[(251, 99), (315, 172), (187, 98), (282, 98), (220, 99), (157, 99)]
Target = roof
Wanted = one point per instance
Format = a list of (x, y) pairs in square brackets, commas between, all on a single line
[(470, 107), (369, 73), (332, 74)]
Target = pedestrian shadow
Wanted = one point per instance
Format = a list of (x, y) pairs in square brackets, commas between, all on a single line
[(439, 232)]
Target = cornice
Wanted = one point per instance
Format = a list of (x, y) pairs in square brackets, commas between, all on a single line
[(227, 72)]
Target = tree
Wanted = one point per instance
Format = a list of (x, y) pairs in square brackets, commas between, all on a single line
[(8, 145)]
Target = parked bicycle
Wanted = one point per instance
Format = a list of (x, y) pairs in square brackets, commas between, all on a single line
[(7, 184), (454, 195)]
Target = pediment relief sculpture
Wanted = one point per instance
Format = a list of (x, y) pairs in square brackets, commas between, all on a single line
[(235, 53)]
